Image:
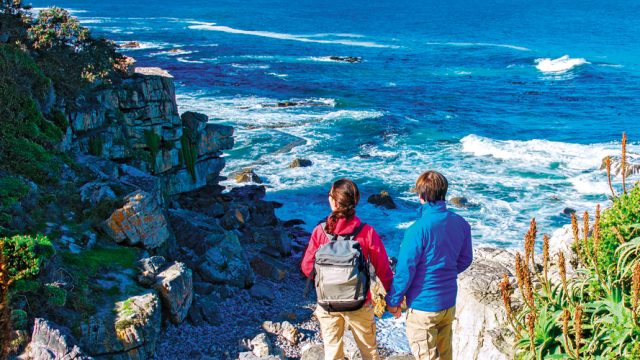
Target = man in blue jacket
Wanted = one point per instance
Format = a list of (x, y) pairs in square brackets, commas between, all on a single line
[(435, 249)]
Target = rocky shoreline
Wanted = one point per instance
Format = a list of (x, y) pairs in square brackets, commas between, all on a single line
[(217, 274)]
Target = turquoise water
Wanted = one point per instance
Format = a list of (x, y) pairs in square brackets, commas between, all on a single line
[(481, 92)]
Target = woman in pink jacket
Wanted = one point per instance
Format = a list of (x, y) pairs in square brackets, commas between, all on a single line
[(343, 198)]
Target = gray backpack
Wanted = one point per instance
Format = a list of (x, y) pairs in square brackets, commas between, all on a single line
[(342, 273)]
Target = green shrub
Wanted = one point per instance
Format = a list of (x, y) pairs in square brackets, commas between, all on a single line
[(618, 225), (27, 139), (12, 189), (153, 143), (56, 296), (19, 319), (56, 28), (26, 255)]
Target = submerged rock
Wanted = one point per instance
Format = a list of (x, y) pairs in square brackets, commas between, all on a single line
[(383, 199), (50, 341), (130, 45), (348, 59), (300, 163), (140, 221), (462, 202), (246, 175)]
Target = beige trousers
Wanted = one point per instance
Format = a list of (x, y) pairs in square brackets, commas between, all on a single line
[(362, 326), (430, 333)]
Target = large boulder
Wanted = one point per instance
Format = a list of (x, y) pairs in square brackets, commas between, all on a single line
[(300, 163), (175, 286), (129, 331), (140, 222), (192, 229), (95, 192), (50, 341), (269, 267), (225, 262), (480, 328)]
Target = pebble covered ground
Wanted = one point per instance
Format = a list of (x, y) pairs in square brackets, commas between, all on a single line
[(243, 316)]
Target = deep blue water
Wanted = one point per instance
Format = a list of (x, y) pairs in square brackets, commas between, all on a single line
[(465, 87)]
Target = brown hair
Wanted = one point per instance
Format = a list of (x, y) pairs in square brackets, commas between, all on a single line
[(432, 186), (346, 195)]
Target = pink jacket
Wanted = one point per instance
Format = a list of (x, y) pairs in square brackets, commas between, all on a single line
[(370, 242)]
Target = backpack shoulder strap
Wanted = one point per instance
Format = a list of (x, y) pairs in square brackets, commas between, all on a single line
[(331, 237), (357, 231)]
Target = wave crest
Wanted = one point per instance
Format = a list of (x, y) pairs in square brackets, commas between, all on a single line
[(560, 65)]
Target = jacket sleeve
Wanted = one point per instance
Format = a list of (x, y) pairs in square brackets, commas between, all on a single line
[(380, 260), (310, 253), (410, 252), (466, 253)]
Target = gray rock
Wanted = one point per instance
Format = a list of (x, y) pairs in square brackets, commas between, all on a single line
[(382, 199), (269, 267), (192, 229), (312, 352), (204, 310), (480, 329), (194, 122), (174, 284), (50, 341), (632, 166), (260, 345), (140, 221), (262, 292), (225, 261), (290, 333), (131, 331), (95, 192)]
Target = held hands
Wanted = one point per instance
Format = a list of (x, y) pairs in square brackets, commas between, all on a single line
[(395, 311)]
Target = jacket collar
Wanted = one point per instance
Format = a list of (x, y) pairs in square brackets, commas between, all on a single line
[(429, 208), (346, 226)]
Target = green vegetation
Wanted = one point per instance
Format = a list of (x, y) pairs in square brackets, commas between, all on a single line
[(593, 315), (87, 265), (189, 154), (26, 255), (153, 143), (27, 138), (12, 189), (95, 146)]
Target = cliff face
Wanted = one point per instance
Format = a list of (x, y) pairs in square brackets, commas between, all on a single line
[(137, 122)]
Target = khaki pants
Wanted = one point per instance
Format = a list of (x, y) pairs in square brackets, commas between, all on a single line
[(362, 326), (430, 333)]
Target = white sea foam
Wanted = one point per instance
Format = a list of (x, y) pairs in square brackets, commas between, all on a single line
[(196, 25), (538, 152), (146, 45), (278, 75), (189, 61), (480, 44), (173, 52), (559, 65), (251, 66)]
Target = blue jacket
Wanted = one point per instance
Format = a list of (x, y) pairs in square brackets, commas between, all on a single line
[(435, 249)]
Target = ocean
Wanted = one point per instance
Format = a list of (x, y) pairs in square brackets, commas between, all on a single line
[(516, 102)]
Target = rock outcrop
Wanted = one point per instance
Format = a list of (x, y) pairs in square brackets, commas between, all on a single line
[(138, 122), (51, 342), (175, 286), (140, 221), (480, 328), (129, 331)]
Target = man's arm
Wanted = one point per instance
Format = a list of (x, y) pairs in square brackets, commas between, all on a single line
[(410, 253), (466, 253)]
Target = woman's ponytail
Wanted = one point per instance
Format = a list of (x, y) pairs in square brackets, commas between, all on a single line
[(346, 195)]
